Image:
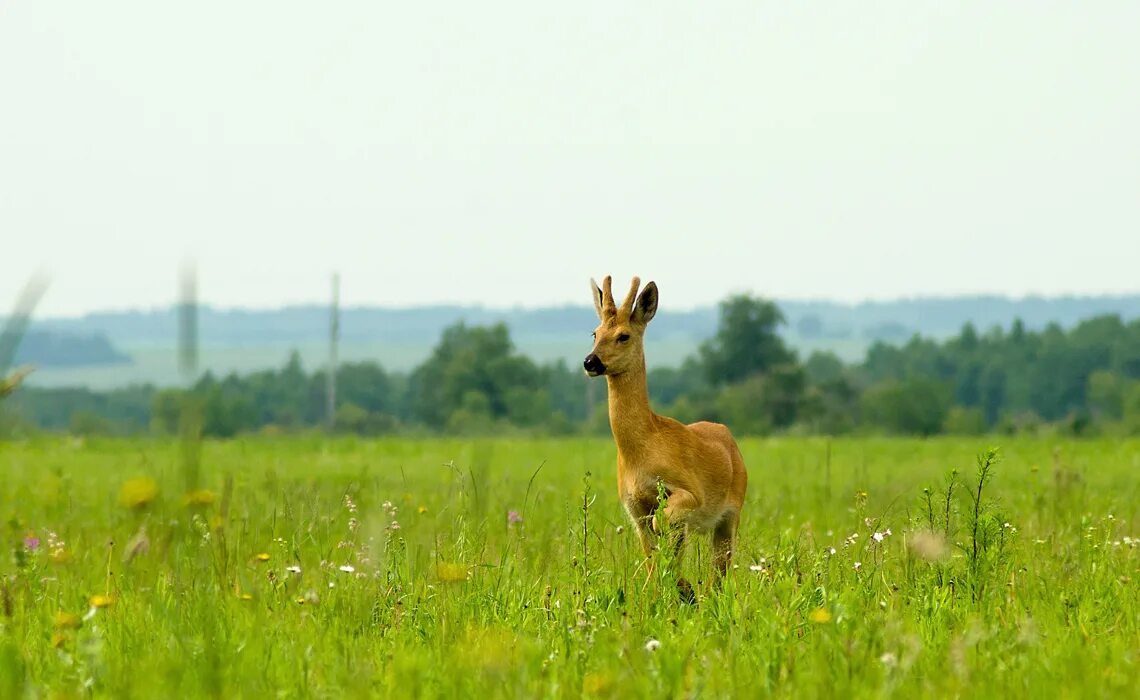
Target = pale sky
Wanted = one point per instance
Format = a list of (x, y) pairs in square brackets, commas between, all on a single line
[(504, 153)]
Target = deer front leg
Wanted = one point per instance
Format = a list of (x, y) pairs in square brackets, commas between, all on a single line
[(678, 505)]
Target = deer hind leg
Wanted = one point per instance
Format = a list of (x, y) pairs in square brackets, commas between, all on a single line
[(724, 539)]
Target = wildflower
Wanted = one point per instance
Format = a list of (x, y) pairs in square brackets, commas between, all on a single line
[(929, 545), (820, 616), (57, 550), (138, 493), (451, 572), (595, 684), (244, 596), (831, 551), (67, 621), (889, 659), (652, 645), (878, 537), (353, 524), (199, 498), (347, 568), (758, 568), (102, 601), (262, 556), (619, 529), (394, 526), (31, 543), (311, 598), (421, 510), (858, 565), (294, 569), (513, 517), (350, 505)]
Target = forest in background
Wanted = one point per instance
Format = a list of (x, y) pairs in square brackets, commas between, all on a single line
[(1079, 380)]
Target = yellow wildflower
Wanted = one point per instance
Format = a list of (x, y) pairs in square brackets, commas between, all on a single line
[(596, 684), (138, 493), (262, 556), (200, 497), (102, 601), (450, 572), (67, 621), (820, 616), (421, 510)]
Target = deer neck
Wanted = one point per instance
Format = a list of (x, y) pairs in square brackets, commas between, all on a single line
[(631, 418)]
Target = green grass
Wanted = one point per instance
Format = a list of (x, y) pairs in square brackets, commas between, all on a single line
[(458, 602)]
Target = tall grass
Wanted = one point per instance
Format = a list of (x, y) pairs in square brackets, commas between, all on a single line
[(442, 568)]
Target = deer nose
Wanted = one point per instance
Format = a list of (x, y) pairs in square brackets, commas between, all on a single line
[(593, 365)]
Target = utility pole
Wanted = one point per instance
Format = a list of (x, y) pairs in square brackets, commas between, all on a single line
[(190, 427), (334, 337)]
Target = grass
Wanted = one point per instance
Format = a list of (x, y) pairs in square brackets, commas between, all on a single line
[(308, 568)]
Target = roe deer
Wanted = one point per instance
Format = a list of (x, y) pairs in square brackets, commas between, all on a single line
[(699, 466)]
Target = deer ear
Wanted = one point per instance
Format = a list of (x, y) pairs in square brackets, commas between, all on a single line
[(596, 292), (646, 306)]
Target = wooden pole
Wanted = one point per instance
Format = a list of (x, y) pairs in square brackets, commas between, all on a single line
[(334, 338)]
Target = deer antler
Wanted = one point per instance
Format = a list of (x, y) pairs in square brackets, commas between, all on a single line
[(627, 305), (608, 306)]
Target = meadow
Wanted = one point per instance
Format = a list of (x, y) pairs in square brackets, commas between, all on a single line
[(306, 567)]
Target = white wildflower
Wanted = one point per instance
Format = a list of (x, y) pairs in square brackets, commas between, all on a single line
[(347, 568), (652, 645)]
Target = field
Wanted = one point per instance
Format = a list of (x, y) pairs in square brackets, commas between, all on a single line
[(300, 567)]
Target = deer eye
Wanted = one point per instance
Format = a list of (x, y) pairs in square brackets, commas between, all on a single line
[(623, 337)]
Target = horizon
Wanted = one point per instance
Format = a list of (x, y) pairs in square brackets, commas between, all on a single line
[(852, 305)]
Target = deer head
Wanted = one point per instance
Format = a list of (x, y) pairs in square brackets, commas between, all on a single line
[(618, 341)]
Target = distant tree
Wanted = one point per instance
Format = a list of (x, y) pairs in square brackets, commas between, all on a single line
[(746, 341), (762, 402), (823, 367), (913, 407), (474, 369), (809, 326), (964, 421)]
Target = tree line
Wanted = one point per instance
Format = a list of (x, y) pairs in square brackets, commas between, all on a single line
[(1082, 380)]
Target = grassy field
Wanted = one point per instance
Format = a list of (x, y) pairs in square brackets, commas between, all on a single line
[(307, 568)]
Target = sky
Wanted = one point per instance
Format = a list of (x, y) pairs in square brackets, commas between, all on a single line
[(502, 153)]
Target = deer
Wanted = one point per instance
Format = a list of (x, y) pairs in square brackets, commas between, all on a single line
[(697, 468)]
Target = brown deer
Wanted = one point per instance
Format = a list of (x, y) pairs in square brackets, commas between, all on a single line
[(699, 466)]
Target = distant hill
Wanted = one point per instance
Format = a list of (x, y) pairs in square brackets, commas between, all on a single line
[(900, 318), (47, 349), (245, 340)]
